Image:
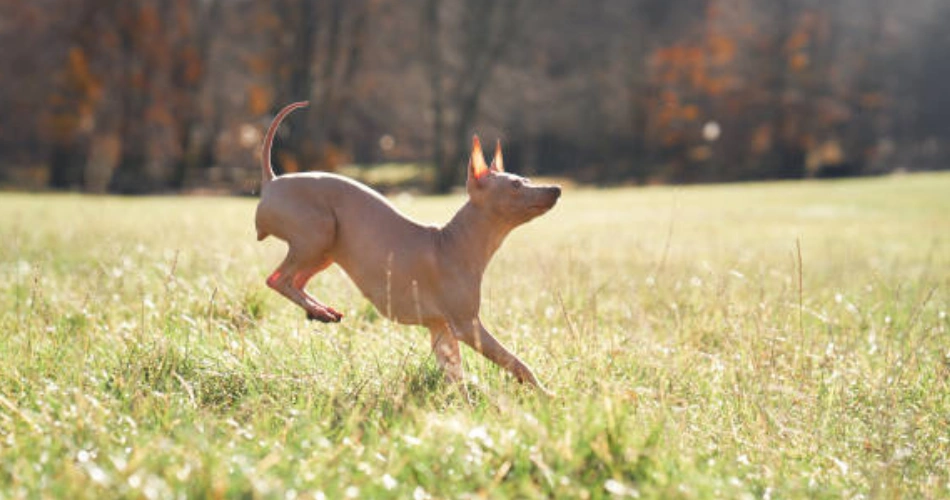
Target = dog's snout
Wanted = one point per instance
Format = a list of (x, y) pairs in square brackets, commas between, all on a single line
[(557, 191)]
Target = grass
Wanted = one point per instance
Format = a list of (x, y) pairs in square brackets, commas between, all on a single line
[(391, 176), (758, 341)]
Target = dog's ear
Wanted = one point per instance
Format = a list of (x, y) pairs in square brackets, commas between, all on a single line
[(476, 162), (497, 164)]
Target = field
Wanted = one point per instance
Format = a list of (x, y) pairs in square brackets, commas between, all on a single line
[(742, 341)]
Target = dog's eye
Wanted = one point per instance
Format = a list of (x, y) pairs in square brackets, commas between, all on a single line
[(518, 183)]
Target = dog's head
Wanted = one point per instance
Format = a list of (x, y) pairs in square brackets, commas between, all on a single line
[(511, 198)]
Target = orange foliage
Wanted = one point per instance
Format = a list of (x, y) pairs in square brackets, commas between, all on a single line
[(694, 56), (797, 41), (289, 163), (669, 98), (332, 157), (258, 65), (183, 18), (762, 139), (722, 49), (80, 74), (798, 61), (258, 99), (148, 21), (159, 114), (690, 112), (689, 72), (697, 76), (715, 86), (193, 66)]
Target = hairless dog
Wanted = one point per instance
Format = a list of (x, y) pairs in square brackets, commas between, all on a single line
[(413, 274)]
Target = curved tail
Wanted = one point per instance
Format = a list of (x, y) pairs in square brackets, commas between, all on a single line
[(267, 172)]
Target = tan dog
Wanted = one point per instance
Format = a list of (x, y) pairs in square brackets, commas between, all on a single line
[(414, 274)]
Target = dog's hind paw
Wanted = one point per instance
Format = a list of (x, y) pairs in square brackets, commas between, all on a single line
[(328, 315)]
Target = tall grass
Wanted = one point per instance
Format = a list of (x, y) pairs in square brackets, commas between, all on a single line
[(761, 341)]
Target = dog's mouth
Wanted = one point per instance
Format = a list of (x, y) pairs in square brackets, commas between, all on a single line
[(542, 208)]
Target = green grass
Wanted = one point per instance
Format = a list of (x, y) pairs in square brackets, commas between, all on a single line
[(761, 341), (391, 176)]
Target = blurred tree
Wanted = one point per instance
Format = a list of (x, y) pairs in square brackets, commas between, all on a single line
[(928, 129), (655, 22), (317, 61), (786, 158), (432, 39), (135, 27), (464, 41), (74, 99), (145, 95), (194, 24)]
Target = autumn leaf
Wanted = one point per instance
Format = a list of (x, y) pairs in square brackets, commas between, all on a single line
[(690, 112), (798, 62), (258, 99)]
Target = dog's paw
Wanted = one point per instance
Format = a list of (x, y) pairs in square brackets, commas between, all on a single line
[(328, 315)]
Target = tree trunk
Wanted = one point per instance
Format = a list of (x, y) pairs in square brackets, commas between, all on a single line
[(481, 46), (132, 176), (194, 154), (432, 34), (66, 164), (300, 87), (781, 161), (77, 94)]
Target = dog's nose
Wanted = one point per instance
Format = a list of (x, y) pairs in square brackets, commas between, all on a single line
[(557, 191)]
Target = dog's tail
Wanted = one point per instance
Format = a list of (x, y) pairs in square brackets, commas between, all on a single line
[(267, 172)]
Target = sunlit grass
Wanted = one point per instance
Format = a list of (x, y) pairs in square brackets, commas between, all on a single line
[(766, 340)]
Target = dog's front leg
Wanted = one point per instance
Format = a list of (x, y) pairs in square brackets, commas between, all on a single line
[(485, 343)]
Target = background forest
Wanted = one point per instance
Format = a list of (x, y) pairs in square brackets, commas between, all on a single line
[(141, 96)]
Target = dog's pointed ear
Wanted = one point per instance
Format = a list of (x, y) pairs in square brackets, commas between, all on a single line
[(497, 164), (476, 162)]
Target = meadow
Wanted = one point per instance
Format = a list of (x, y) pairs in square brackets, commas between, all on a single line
[(774, 340)]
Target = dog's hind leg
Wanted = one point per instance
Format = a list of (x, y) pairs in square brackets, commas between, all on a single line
[(447, 354), (288, 280), (306, 256), (300, 281)]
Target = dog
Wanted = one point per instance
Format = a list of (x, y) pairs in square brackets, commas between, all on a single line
[(413, 274)]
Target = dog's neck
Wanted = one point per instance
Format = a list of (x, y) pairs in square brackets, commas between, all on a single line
[(473, 236)]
